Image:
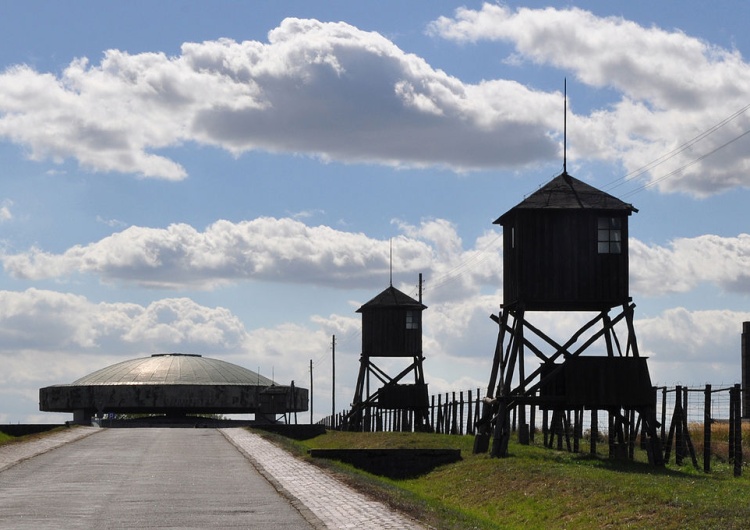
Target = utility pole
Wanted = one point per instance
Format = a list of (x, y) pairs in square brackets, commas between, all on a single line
[(311, 393), (333, 378)]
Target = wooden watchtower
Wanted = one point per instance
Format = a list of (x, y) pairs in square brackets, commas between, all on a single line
[(391, 328), (565, 248)]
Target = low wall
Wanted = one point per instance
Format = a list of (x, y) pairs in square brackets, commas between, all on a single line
[(31, 428), (392, 463), (295, 431)]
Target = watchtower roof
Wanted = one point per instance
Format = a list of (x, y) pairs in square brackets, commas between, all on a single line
[(392, 297), (567, 193)]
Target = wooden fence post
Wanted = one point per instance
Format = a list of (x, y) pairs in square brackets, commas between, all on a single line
[(631, 433), (454, 415), (461, 413), (439, 422), (432, 413), (476, 409), (732, 412), (447, 414), (707, 430), (663, 416), (679, 446), (737, 399), (594, 430)]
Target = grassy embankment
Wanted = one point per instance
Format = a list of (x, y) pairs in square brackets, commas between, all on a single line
[(542, 488), (7, 438)]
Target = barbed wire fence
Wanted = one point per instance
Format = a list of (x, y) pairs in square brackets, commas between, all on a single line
[(700, 423)]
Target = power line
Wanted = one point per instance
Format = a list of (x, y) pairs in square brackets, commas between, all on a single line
[(674, 152), (681, 168)]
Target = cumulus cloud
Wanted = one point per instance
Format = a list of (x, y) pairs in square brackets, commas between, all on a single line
[(687, 262), (324, 89), (49, 337), (81, 336), (683, 346), (289, 251), (459, 339), (5, 213), (457, 273), (673, 89), (333, 91), (72, 322), (280, 250), (693, 347)]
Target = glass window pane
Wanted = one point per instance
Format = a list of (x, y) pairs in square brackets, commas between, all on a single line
[(609, 235)]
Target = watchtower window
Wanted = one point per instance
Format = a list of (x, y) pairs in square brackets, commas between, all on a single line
[(610, 235), (411, 320)]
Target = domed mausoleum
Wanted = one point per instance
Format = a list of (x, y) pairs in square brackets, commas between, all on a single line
[(173, 384)]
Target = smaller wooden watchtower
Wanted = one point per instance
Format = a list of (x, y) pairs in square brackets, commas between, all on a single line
[(565, 249), (391, 328)]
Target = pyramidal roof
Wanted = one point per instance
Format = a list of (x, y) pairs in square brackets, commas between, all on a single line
[(392, 297), (565, 192)]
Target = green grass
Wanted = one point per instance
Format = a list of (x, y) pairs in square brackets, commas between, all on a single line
[(537, 487), (7, 439)]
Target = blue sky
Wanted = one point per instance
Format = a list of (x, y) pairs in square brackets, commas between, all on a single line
[(226, 178)]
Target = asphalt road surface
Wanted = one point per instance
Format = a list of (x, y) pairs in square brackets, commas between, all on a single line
[(143, 478)]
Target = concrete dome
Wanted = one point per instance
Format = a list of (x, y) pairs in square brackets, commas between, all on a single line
[(173, 384), (174, 369)]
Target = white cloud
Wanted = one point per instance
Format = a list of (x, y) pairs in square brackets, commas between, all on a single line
[(281, 250), (5, 213), (339, 93), (72, 322), (334, 91), (688, 262), (693, 347), (455, 273), (112, 223), (49, 337), (289, 251), (322, 89), (673, 87)]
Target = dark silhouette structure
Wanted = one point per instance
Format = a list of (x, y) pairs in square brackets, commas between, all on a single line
[(173, 384), (391, 328), (566, 249), (746, 370)]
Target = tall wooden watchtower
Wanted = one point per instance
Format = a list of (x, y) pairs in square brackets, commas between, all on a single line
[(565, 248), (391, 328)]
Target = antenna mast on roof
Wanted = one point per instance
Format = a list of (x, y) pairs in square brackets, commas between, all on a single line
[(565, 127), (391, 263)]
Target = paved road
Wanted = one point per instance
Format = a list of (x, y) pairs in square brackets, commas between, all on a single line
[(143, 478)]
